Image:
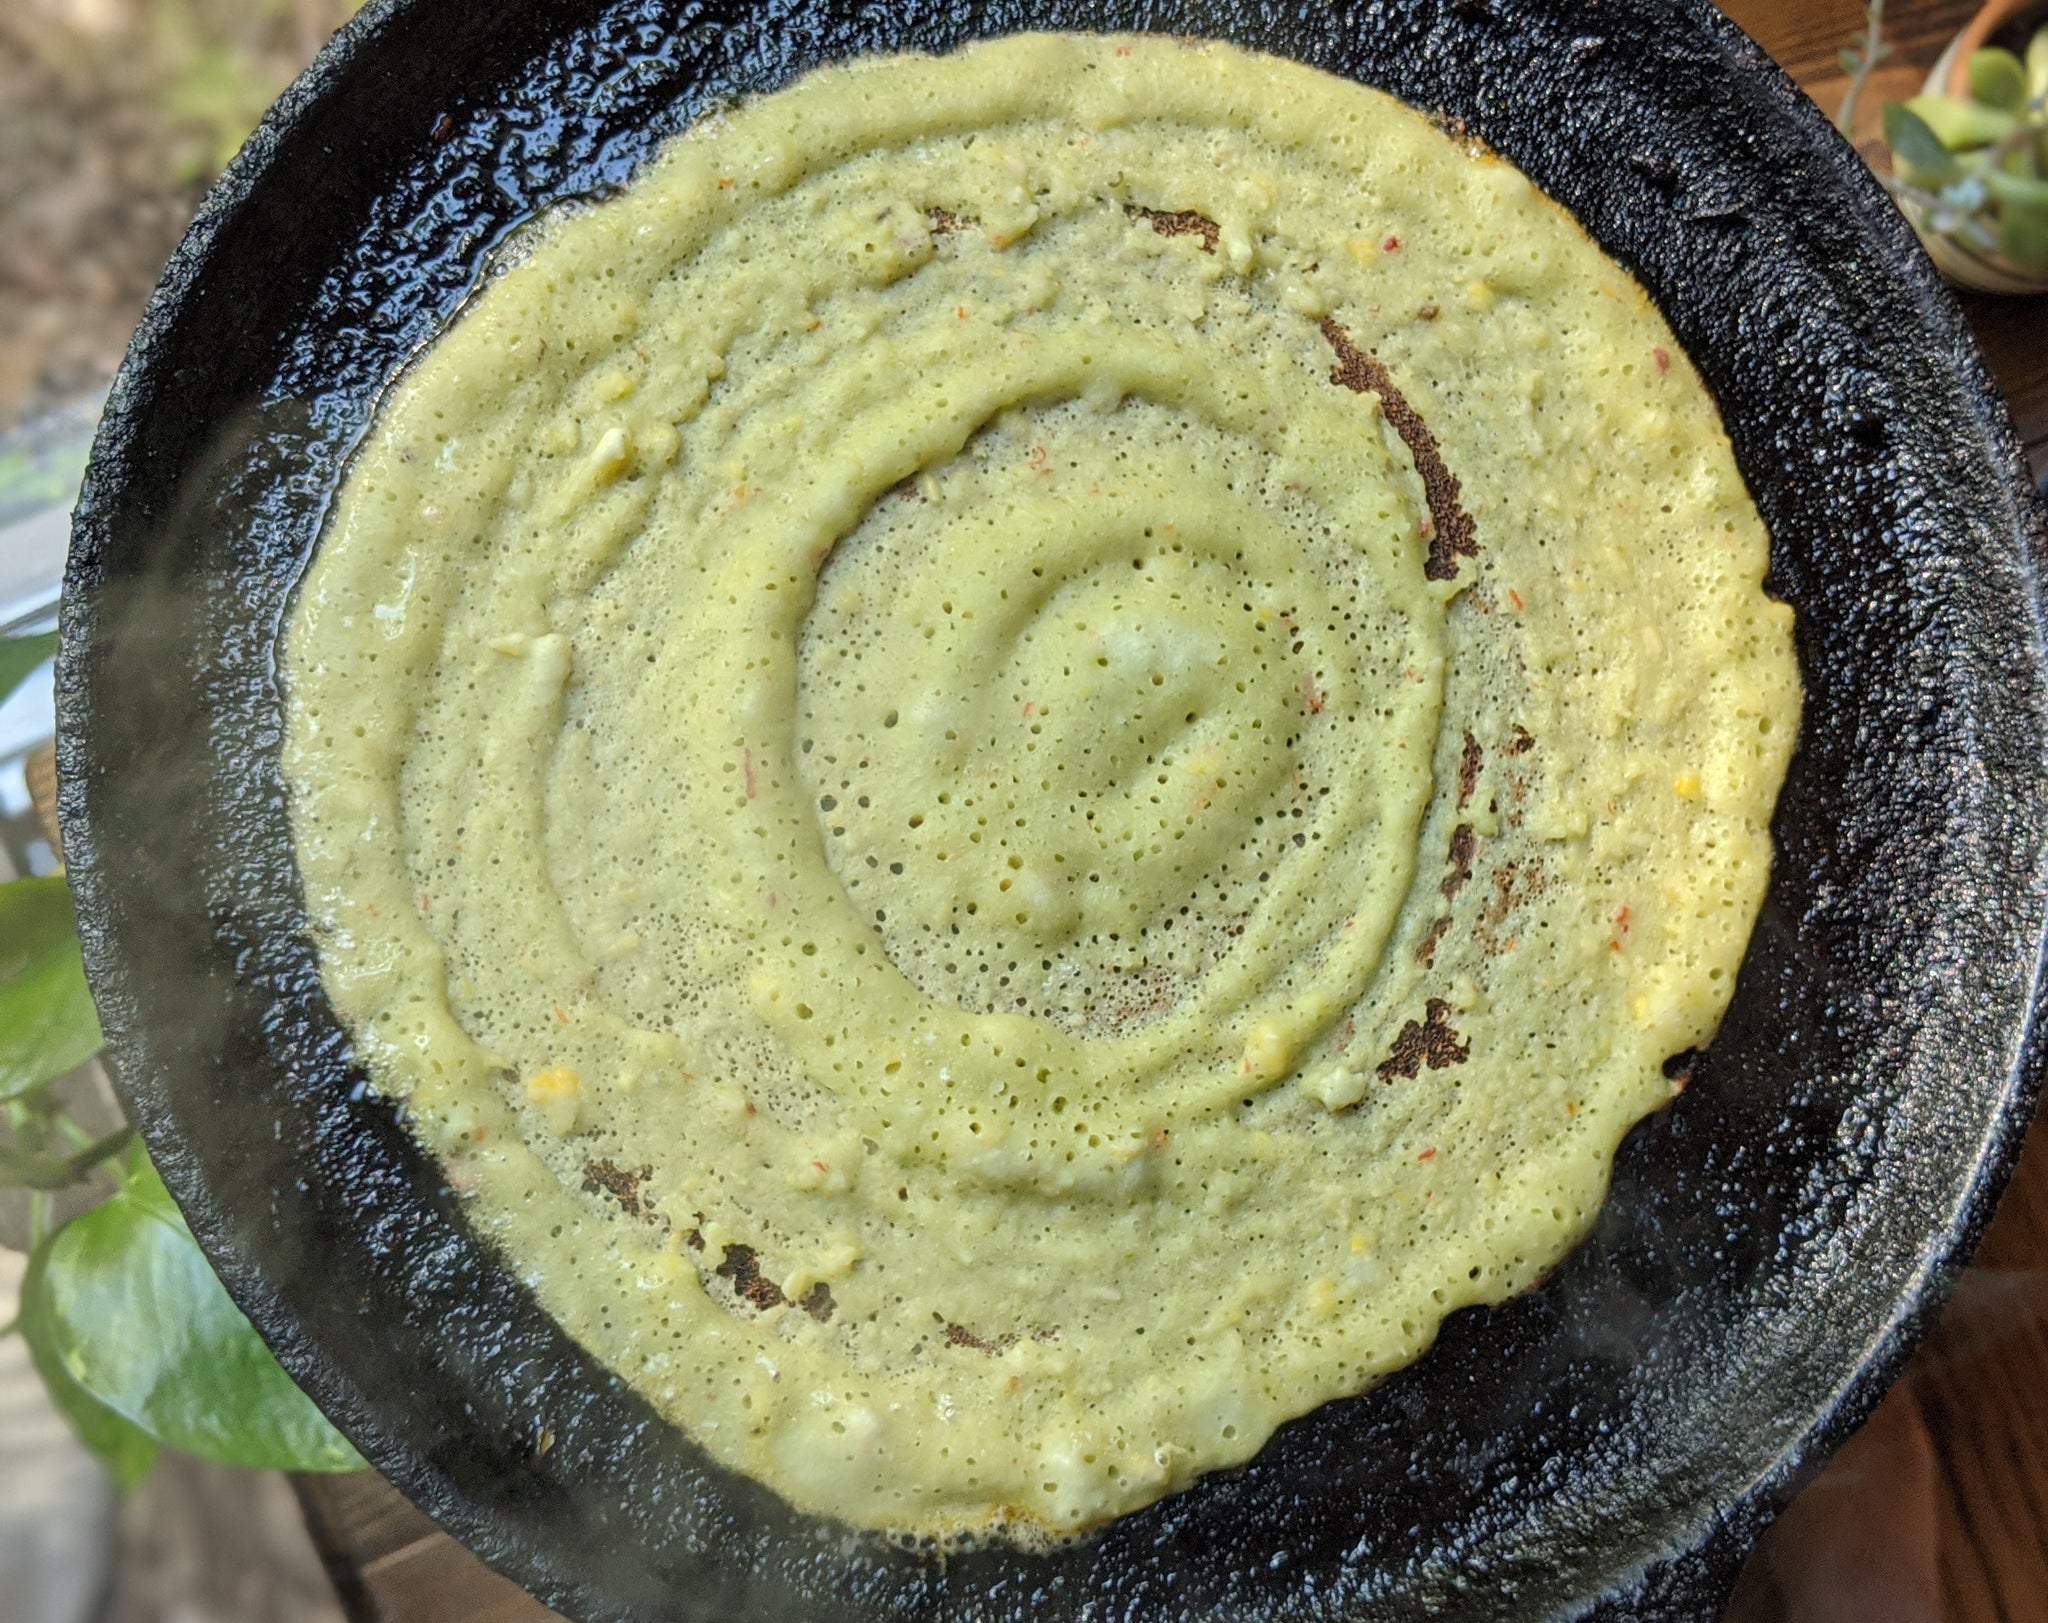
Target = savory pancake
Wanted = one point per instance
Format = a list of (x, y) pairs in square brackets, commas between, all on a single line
[(1031, 756)]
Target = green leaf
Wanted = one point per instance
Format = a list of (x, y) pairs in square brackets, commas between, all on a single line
[(2015, 159), (143, 1184), (1922, 159), (1850, 62), (140, 1176), (1959, 124), (21, 657), (141, 1324), (1997, 79), (2037, 62), (47, 1022), (125, 1450), (2023, 237), (2020, 191)]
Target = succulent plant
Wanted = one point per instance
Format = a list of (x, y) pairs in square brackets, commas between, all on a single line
[(1974, 168)]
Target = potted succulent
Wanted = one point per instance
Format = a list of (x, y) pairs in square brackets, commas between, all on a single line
[(1970, 152)]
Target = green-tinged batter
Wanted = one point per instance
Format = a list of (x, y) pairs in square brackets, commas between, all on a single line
[(1031, 756)]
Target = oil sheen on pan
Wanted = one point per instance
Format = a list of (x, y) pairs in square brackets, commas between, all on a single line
[(1033, 755)]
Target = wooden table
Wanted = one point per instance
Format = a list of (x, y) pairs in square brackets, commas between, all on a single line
[(1939, 1508)]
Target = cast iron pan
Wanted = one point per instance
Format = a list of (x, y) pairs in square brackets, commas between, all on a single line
[(1607, 1446)]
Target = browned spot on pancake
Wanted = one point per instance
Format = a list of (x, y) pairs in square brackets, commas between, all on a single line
[(944, 221), (1503, 902), (609, 1178), (1450, 123), (742, 1266), (817, 1301), (1425, 952), (1428, 312), (1469, 765), (1429, 1041), (1513, 884), (958, 1335), (1181, 223), (1361, 372), (1521, 743), (1464, 842), (693, 1239)]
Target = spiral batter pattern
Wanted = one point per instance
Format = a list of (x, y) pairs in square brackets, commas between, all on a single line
[(1007, 764)]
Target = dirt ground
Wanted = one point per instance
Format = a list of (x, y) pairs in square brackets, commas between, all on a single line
[(114, 117)]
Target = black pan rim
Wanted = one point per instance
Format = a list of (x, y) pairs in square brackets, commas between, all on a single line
[(132, 396)]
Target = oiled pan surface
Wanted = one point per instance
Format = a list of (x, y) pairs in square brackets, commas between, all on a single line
[(1773, 1241)]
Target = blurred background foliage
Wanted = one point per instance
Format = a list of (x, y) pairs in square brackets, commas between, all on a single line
[(114, 117)]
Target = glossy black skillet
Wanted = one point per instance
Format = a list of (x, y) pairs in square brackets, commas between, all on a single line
[(1608, 1445)]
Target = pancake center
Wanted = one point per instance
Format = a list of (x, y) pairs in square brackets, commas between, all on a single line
[(1052, 785)]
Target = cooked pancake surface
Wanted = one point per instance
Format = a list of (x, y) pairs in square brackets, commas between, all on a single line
[(1031, 756)]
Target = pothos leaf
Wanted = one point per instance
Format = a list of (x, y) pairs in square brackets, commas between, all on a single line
[(47, 1022), (125, 1450), (20, 656), (141, 1325)]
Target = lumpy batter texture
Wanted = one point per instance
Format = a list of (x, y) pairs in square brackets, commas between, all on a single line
[(1033, 755)]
